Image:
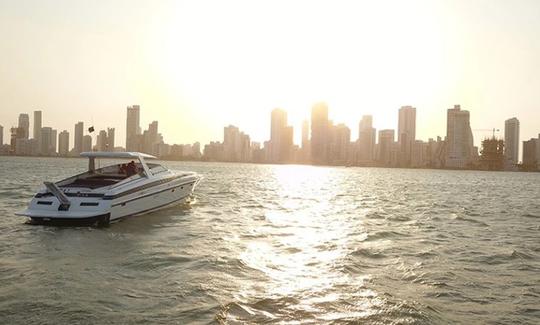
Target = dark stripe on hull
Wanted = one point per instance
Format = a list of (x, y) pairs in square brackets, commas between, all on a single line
[(100, 220), (150, 194), (78, 194), (152, 209)]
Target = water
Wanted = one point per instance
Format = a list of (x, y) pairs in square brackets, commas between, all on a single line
[(283, 244)]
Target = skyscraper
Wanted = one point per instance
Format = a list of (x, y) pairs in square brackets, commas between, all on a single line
[(78, 138), (63, 143), (286, 145), (340, 144), (151, 138), (386, 143), (231, 143), (37, 125), (24, 124), (45, 138), (132, 128), (87, 143), (37, 131), (366, 139), (511, 140), (531, 154), (101, 142), (319, 133), (54, 142), (110, 139), (305, 134), (278, 122), (460, 144), (406, 134)]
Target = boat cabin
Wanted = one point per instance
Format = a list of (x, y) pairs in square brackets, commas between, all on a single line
[(135, 167)]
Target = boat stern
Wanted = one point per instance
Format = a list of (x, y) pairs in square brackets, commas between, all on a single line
[(50, 209)]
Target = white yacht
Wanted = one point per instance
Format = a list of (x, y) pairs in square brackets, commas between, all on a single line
[(103, 195)]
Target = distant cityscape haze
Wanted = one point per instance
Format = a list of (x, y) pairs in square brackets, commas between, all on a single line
[(324, 142), (197, 66)]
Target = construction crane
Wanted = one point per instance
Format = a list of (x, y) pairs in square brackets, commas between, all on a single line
[(488, 130)]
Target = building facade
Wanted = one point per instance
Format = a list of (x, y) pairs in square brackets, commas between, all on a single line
[(406, 134), (459, 137), (37, 125), (531, 154), (511, 141), (87, 143), (24, 124), (366, 141), (319, 134), (63, 143), (78, 138), (386, 147), (133, 128)]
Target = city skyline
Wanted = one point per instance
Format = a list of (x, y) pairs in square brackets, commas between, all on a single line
[(324, 142), (133, 120), (85, 63)]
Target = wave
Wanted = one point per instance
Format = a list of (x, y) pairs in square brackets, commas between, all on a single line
[(470, 220), (369, 253), (384, 234)]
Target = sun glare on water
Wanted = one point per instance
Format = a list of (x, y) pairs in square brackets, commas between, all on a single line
[(301, 249)]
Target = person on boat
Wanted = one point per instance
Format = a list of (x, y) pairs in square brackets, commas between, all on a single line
[(131, 169), (123, 169)]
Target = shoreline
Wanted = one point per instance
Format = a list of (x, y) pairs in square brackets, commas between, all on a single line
[(299, 163)]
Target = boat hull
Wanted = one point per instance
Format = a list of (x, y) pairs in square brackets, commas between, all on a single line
[(108, 208)]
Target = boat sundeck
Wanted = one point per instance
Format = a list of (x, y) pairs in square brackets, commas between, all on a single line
[(103, 195)]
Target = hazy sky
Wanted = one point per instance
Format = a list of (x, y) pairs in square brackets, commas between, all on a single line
[(200, 65)]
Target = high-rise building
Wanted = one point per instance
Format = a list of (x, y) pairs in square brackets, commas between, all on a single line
[(319, 133), (133, 128), (406, 134), (305, 134), (45, 143), (101, 141), (278, 122), (531, 154), (151, 138), (78, 138), (63, 143), (110, 139), (17, 135), (286, 145), (37, 125), (245, 147), (236, 145), (385, 147), (1, 135), (511, 141), (305, 152), (54, 142), (87, 143), (366, 139), (460, 144), (341, 136), (231, 143), (24, 124), (420, 154)]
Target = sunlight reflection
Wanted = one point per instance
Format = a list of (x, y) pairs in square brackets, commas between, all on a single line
[(302, 243)]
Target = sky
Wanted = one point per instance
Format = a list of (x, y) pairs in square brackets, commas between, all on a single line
[(197, 66)]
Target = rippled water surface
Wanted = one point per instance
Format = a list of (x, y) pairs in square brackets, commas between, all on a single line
[(283, 244)]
